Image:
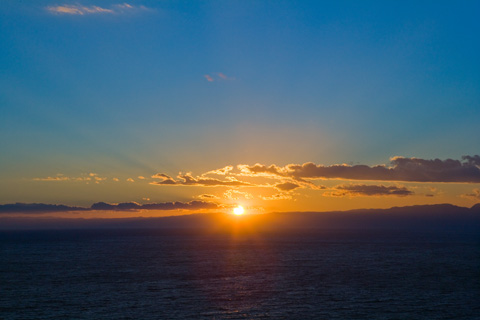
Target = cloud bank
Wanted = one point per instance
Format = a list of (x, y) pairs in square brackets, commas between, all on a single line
[(37, 208), (33, 208), (369, 190), (295, 176), (400, 169)]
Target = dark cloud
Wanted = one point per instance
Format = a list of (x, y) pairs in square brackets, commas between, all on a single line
[(472, 160), (370, 190), (287, 186), (207, 196), (36, 208), (126, 206), (189, 180), (103, 206), (401, 169)]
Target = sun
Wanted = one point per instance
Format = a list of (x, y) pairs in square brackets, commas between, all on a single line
[(238, 210)]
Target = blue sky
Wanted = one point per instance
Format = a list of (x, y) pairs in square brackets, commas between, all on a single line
[(122, 88)]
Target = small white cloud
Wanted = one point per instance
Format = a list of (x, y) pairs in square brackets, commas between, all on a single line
[(68, 9), (217, 76), (77, 9)]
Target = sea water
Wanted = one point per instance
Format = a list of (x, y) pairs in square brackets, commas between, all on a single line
[(173, 274)]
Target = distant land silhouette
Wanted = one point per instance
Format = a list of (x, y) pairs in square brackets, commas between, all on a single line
[(437, 217)]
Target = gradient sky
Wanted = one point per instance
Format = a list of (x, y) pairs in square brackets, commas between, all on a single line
[(107, 101)]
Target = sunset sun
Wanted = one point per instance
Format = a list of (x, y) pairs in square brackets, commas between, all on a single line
[(238, 210)]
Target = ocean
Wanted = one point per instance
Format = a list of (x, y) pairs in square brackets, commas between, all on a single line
[(182, 274)]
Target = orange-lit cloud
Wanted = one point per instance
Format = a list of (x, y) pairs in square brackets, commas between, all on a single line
[(295, 176), (278, 196), (189, 180), (85, 177), (222, 171), (233, 194), (475, 195), (209, 78), (258, 169), (57, 178)]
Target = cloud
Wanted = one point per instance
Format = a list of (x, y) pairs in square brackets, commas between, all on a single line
[(128, 206), (37, 208), (472, 160), (236, 195), (130, 180), (209, 78), (369, 190), (475, 195), (78, 9), (189, 180), (57, 178), (279, 196), (222, 171), (401, 169), (84, 177), (165, 179), (207, 197), (67, 9), (258, 169), (218, 76), (224, 77), (287, 186)]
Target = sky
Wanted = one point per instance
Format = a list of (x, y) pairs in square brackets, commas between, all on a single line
[(190, 106)]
